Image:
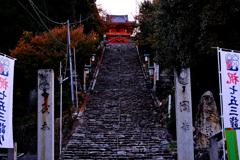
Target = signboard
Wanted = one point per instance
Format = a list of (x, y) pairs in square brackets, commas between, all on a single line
[(150, 72), (6, 101), (230, 88), (146, 59), (87, 70)]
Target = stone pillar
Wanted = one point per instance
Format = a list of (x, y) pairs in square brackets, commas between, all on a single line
[(45, 114), (12, 152), (183, 106), (213, 150)]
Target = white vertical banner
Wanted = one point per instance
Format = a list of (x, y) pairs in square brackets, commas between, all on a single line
[(230, 73), (6, 101), (156, 67)]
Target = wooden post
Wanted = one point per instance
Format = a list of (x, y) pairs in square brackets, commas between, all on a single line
[(148, 61), (12, 152), (84, 80)]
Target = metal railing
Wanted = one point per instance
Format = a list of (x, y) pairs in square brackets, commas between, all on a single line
[(118, 33)]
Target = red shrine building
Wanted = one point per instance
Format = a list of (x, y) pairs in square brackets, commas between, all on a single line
[(120, 29)]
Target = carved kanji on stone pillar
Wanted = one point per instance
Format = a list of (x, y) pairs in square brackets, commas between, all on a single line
[(45, 114)]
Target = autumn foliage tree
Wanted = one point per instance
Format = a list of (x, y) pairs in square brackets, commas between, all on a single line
[(45, 51)]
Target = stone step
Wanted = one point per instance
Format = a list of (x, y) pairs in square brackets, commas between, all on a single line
[(119, 120)]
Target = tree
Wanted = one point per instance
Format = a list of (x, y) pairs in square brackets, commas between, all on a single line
[(18, 16), (46, 51), (218, 25), (42, 51), (146, 26), (185, 31), (177, 33)]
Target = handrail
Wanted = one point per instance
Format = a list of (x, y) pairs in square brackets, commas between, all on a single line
[(141, 64), (91, 86), (118, 33)]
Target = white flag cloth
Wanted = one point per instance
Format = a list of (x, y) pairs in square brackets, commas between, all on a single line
[(156, 68), (6, 101), (230, 74)]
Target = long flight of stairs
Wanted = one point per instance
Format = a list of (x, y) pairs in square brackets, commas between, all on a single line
[(119, 120)]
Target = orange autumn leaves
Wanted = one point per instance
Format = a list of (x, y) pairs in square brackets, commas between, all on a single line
[(46, 50)]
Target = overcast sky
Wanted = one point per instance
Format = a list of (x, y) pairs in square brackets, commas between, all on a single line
[(121, 7)]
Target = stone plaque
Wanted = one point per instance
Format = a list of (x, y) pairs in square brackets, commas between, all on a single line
[(150, 72), (45, 114), (183, 106)]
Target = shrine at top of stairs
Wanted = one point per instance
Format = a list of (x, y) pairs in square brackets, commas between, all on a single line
[(120, 29)]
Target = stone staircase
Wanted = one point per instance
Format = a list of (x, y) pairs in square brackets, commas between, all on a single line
[(119, 120)]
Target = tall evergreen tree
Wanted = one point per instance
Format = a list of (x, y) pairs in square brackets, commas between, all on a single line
[(185, 32), (146, 27)]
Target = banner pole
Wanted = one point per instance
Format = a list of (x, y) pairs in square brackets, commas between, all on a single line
[(60, 137), (221, 104), (75, 68), (7, 56)]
